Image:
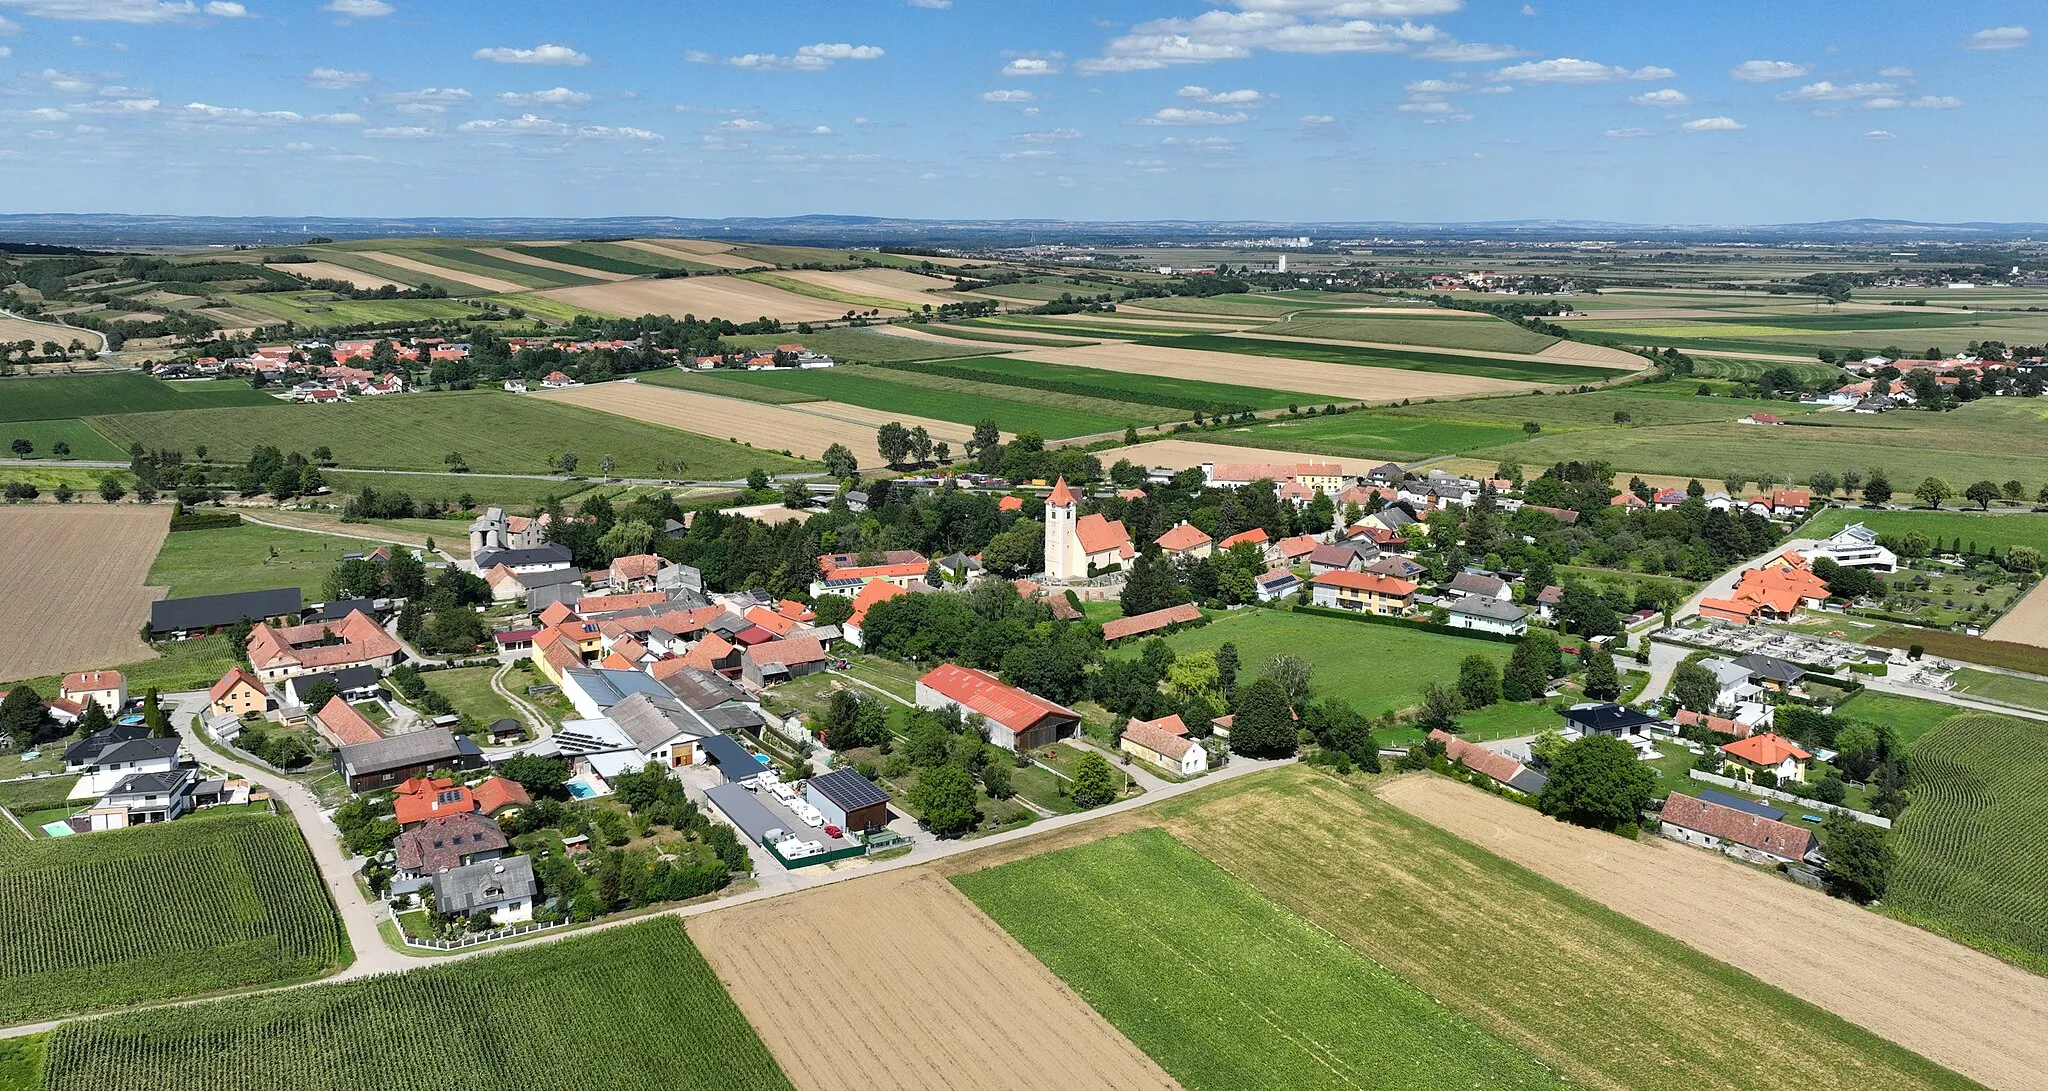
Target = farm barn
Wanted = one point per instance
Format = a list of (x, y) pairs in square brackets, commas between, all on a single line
[(848, 800), (1017, 720)]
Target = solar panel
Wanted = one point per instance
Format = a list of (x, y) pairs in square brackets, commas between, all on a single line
[(453, 795), (849, 789)]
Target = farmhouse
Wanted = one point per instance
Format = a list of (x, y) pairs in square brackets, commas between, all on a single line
[(497, 794), (844, 574), (591, 691), (354, 683), (1771, 753), (1488, 616), (502, 889), (494, 530), (1152, 622), (1738, 833), (237, 694), (1501, 769), (1018, 720), (385, 762), (874, 591), (280, 653), (1324, 477), (782, 660), (848, 800), (1154, 741), (1363, 592)]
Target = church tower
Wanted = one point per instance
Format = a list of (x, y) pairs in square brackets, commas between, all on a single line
[(1063, 559)]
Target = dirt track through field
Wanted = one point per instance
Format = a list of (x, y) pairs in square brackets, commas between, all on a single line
[(910, 289), (703, 253), (327, 270), (724, 297), (71, 592), (398, 261), (546, 263), (1350, 382), (2026, 622), (803, 428), (1983, 1018), (897, 981)]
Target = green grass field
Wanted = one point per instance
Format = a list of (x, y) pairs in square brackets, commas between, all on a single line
[(349, 259), (1604, 1000), (1375, 668), (56, 397), (2002, 531), (504, 492), (1647, 406), (855, 346), (1964, 648), (249, 558), (1054, 416), (1373, 435), (969, 333), (200, 905), (595, 1011), (819, 291), (179, 665), (1973, 847), (1161, 390), (2025, 692), (590, 258), (469, 690), (495, 432), (518, 272), (322, 309), (46, 434), (1235, 306), (546, 306), (1225, 989), (1710, 367), (727, 384), (1527, 371), (1507, 721), (1911, 717), (797, 255), (1454, 330)]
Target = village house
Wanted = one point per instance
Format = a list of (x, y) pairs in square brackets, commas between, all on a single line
[(1770, 593), (502, 889), (1855, 546), (1017, 720), (140, 799), (280, 653), (107, 689), (781, 660), (1256, 536), (1277, 583), (1547, 600), (1479, 585), (103, 760), (237, 694), (1165, 743), (1488, 615), (495, 530), (421, 799), (342, 725), (1747, 758), (447, 842), (1323, 477), (1363, 592), (371, 765), (1186, 540), (1296, 550), (1501, 769), (871, 593), (1741, 829), (844, 574)]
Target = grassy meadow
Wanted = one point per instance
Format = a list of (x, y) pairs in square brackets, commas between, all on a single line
[(250, 558)]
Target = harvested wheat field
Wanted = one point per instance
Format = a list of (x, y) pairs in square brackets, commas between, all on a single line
[(20, 329), (327, 270), (1599, 355), (1968, 1011), (544, 263), (947, 999), (1181, 454), (2026, 622), (477, 280), (724, 297), (1578, 352), (972, 345), (911, 289), (1350, 382), (805, 429), (71, 594), (703, 253)]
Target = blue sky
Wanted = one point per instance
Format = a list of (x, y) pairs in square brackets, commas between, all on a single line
[(1744, 111)]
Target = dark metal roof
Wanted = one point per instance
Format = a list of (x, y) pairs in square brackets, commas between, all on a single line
[(732, 759), (1607, 718), (848, 789), (1740, 804), (345, 679), (339, 609), (208, 611), (1777, 670), (745, 811), (435, 744), (87, 748), (550, 553)]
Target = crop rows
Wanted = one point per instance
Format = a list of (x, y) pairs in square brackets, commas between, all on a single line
[(1973, 847), (202, 904), (627, 1007)]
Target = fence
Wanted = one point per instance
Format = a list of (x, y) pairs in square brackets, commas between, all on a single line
[(1788, 797), (481, 937)]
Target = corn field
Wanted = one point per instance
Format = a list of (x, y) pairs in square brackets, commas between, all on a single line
[(630, 1007), (1973, 847), (191, 906)]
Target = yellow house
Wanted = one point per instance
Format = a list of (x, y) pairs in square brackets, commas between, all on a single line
[(237, 694)]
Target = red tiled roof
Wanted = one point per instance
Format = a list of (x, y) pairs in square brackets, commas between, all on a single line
[(1767, 749), (595, 605), (705, 654), (1164, 743), (1183, 537), (979, 691), (227, 683), (88, 681), (797, 649), (1100, 535), (419, 806), (1061, 494), (1752, 830), (496, 793), (871, 593), (1010, 503), (345, 724), (637, 566), (439, 844), (1366, 581), (1170, 723), (556, 613), (1145, 623), (771, 621), (1256, 536), (1301, 545), (1721, 724), (361, 641), (1478, 758)]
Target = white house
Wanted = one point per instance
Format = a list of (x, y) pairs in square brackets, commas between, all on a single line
[(1855, 546), (141, 799), (107, 689), (1165, 743), (503, 889), (106, 759), (1489, 616)]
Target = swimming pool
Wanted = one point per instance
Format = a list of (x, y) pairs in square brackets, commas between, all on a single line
[(580, 790)]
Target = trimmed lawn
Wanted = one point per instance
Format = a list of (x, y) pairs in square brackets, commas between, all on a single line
[(1910, 717), (1986, 531), (1172, 950), (1502, 721), (2025, 692), (248, 558), (469, 690)]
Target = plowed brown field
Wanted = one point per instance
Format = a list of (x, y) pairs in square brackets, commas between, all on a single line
[(805, 429), (327, 270), (71, 592), (897, 981)]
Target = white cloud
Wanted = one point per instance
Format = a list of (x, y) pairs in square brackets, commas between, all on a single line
[(1436, 87), (820, 130), (840, 51), (1031, 66), (108, 11), (429, 96), (115, 106), (1713, 125), (1936, 102), (810, 58), (743, 125), (1767, 71), (1199, 143), (1470, 53), (523, 125), (9, 27), (1999, 38), (1007, 96), (401, 132), (41, 113), (935, 5), (1245, 97), (1278, 26), (1176, 115), (1669, 96), (1880, 134), (358, 9), (1824, 91), (1574, 70), (1048, 136), (547, 53), (339, 119), (228, 9), (1031, 153), (6, 52), (1317, 119), (1885, 102), (335, 79), (620, 132), (1899, 72), (1630, 133), (1434, 111), (553, 96)]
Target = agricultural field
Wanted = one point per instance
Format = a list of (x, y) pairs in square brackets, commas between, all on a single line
[(2028, 658), (834, 292), (1721, 367), (728, 297), (1170, 948), (1250, 306), (533, 274), (56, 397), (73, 594), (523, 1018), (726, 385), (896, 287), (695, 253), (1375, 668), (408, 264), (483, 490), (787, 959), (1375, 435), (859, 346), (199, 905), (494, 432), (1575, 950), (962, 401), (1451, 330), (327, 270), (317, 309), (1181, 395), (1909, 329), (2025, 623), (24, 329), (1182, 454), (1988, 531), (247, 558), (803, 428), (598, 257), (178, 665), (1320, 379), (2011, 689), (43, 437), (960, 335), (1442, 363), (1972, 855)]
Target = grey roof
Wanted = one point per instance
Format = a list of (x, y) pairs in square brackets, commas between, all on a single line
[(553, 577), (1771, 668), (745, 811), (208, 611), (85, 749), (346, 679), (399, 751), (1491, 609), (1606, 717), (161, 783), (1738, 803), (1528, 781), (339, 609), (1474, 583), (1726, 672), (610, 687), (652, 721), (730, 717), (461, 890), (568, 594), (848, 789), (700, 689), (549, 553), (138, 750), (732, 759)]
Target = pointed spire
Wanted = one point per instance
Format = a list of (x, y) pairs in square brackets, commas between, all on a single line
[(1062, 496)]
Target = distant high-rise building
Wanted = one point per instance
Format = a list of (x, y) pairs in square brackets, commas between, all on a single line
[(1282, 267)]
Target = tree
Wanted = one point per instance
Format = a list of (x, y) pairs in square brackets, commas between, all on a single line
[(1440, 707), (1264, 727), (1859, 858), (1585, 611), (153, 716), (21, 715), (1982, 493), (995, 780), (943, 798), (93, 720), (1933, 491), (1478, 682), (1695, 687), (111, 488), (892, 441), (21, 448), (1095, 783), (1877, 488), (1152, 586), (1822, 482), (1226, 667), (1602, 682), (1596, 781), (316, 695), (626, 538), (840, 462), (1531, 666), (543, 778)]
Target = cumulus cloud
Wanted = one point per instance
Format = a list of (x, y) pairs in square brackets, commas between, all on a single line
[(1999, 38), (1713, 125), (228, 9), (358, 9), (1768, 71), (1031, 66), (1313, 120), (1245, 97), (1824, 91), (1007, 96), (618, 132), (810, 58), (6, 52), (400, 132), (547, 53), (1936, 102), (41, 113), (1574, 70), (1669, 96), (1880, 134), (1175, 115), (935, 5), (553, 96), (1470, 52), (115, 106), (141, 12), (1434, 111), (1048, 136), (1436, 87), (743, 125), (335, 79), (1278, 26), (1896, 72), (1631, 133)]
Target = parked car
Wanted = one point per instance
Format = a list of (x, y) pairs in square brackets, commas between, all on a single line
[(831, 830)]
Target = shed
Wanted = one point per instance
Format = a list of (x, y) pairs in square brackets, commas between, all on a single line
[(849, 801), (732, 759)]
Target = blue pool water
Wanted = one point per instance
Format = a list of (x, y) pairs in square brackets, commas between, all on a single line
[(581, 790), (762, 758)]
